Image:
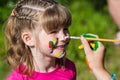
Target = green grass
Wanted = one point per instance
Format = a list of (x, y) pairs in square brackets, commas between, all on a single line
[(4, 68), (85, 20)]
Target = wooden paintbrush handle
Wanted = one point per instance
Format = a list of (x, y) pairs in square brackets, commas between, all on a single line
[(105, 40)]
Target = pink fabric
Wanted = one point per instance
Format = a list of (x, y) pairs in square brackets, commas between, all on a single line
[(69, 73)]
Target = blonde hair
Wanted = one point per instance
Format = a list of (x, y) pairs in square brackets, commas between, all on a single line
[(29, 14)]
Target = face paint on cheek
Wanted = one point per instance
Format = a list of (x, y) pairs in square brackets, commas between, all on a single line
[(52, 45), (59, 55)]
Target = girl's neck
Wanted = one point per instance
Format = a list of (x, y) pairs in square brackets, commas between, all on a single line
[(43, 63)]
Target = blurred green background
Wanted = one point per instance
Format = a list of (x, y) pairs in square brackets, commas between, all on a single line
[(89, 16)]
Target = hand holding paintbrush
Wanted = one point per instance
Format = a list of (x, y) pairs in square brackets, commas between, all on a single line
[(92, 39)]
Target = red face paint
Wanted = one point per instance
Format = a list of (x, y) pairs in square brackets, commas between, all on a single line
[(52, 43)]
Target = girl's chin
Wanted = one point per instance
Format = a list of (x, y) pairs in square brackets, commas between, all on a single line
[(58, 55)]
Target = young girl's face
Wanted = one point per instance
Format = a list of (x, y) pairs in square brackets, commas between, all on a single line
[(58, 38)]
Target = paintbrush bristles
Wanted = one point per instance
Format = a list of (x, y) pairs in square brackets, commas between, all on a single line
[(94, 39), (72, 37)]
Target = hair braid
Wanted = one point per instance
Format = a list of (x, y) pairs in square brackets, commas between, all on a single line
[(23, 9)]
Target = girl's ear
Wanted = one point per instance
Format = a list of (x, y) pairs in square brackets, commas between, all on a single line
[(28, 38)]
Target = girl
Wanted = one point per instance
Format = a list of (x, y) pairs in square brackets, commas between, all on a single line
[(36, 31)]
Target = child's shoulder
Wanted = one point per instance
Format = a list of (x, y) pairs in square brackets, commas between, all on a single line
[(14, 76), (70, 63)]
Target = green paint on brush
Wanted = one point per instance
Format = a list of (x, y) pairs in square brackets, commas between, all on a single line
[(95, 42)]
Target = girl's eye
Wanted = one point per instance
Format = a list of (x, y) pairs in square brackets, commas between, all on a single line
[(66, 30)]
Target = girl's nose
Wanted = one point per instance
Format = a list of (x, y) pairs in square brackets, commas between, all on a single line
[(62, 35)]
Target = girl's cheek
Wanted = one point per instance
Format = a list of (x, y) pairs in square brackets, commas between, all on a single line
[(52, 43)]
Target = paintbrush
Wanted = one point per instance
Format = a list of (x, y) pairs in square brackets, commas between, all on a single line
[(94, 39)]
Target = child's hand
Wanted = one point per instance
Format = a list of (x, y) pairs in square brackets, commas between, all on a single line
[(94, 59)]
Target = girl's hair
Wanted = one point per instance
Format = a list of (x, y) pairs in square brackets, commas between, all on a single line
[(29, 14)]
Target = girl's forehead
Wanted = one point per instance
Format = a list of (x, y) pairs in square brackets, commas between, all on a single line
[(54, 18), (55, 28)]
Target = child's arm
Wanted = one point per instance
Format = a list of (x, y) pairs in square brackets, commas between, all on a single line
[(95, 60)]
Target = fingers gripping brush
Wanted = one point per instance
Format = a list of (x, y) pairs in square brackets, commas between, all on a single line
[(93, 44)]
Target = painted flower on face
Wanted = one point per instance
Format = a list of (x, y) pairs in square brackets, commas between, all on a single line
[(52, 46), (53, 43)]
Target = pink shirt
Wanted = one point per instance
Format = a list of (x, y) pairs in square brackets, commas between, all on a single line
[(69, 73)]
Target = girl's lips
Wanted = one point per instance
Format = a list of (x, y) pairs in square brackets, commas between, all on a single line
[(61, 47)]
